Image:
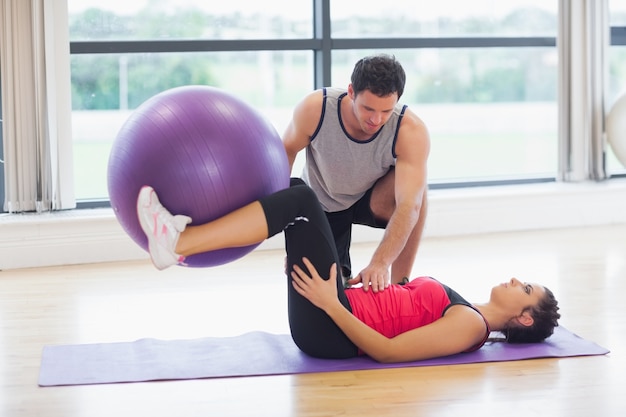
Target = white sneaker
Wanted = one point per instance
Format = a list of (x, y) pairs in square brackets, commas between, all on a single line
[(161, 227)]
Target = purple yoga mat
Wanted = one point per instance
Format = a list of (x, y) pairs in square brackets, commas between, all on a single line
[(252, 354)]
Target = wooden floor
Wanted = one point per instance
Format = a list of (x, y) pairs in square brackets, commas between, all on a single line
[(586, 268)]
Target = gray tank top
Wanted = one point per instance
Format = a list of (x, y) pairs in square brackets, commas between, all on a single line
[(339, 168)]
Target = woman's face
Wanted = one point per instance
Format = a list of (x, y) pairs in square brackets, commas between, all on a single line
[(517, 295)]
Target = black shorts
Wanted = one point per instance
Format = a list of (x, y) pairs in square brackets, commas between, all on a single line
[(341, 225)]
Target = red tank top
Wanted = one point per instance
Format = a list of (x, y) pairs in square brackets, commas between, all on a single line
[(400, 308)]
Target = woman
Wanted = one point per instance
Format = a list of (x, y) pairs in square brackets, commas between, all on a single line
[(419, 320)]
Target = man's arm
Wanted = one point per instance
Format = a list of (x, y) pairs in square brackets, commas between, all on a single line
[(410, 187), (306, 116)]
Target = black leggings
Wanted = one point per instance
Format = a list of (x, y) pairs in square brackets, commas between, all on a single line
[(297, 211)]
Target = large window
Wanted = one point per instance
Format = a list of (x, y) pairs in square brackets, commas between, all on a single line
[(483, 75), (495, 71)]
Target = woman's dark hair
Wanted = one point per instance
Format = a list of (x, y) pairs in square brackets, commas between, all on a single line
[(545, 315), (381, 74)]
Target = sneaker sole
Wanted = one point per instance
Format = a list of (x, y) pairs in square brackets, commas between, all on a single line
[(145, 193)]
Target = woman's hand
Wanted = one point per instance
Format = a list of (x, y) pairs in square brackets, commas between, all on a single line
[(320, 292)]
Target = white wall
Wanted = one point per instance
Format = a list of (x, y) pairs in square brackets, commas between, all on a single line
[(87, 236)]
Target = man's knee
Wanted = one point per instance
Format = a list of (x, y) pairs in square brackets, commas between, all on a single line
[(383, 198)]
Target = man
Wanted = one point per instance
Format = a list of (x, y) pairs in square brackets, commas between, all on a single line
[(366, 159)]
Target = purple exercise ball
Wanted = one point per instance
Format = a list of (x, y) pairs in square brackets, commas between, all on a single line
[(204, 151)]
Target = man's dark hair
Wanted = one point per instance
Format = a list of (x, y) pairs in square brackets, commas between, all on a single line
[(381, 74)]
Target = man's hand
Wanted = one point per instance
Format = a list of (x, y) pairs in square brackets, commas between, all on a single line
[(375, 276)]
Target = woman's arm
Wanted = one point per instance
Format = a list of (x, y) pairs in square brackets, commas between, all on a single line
[(459, 329)]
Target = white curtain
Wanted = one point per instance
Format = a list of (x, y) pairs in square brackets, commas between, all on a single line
[(583, 42), (36, 102)]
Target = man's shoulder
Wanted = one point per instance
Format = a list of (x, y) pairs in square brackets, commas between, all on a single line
[(412, 122), (413, 136), (312, 102)]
